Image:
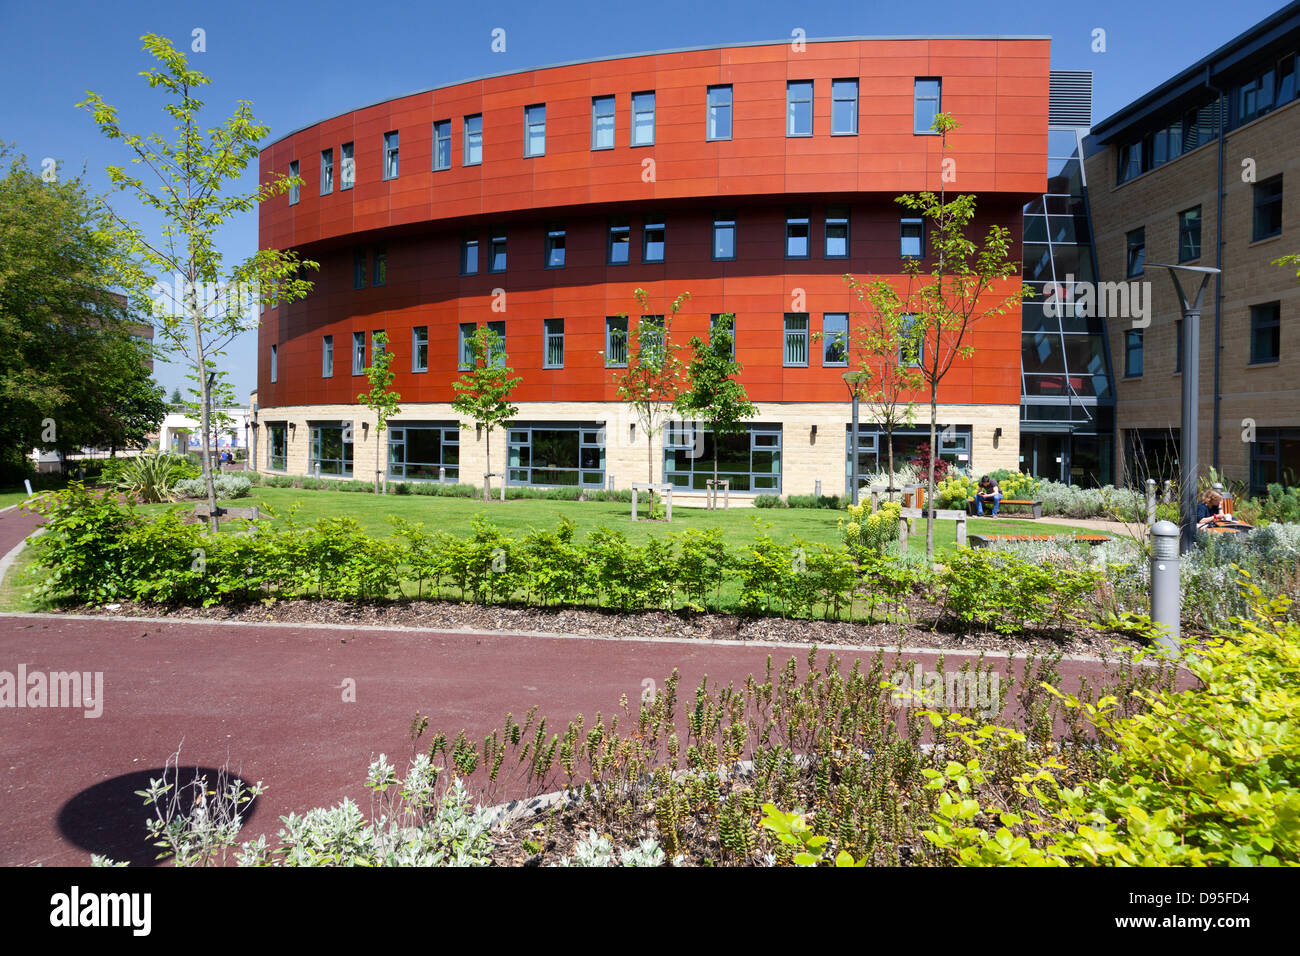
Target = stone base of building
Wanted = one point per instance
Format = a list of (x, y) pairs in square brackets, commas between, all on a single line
[(811, 438)]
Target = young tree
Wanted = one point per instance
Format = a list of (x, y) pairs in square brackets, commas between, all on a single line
[(965, 284), (483, 392), (714, 396), (887, 344), (652, 380), (380, 399), (210, 304)]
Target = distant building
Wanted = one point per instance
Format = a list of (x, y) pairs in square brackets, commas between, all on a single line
[(1204, 170), (180, 432)]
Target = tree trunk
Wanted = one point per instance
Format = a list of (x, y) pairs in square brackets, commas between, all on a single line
[(487, 451), (715, 471), (379, 433), (205, 410), (650, 467), (889, 437), (929, 485)]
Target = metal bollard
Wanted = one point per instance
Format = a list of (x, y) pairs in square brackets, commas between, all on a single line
[(1166, 603), (817, 490), (1151, 502)]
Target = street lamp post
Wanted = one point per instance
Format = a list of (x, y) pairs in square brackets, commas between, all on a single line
[(1189, 434), (854, 380)]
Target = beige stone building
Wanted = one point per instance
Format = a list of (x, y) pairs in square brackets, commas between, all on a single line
[(1205, 171)]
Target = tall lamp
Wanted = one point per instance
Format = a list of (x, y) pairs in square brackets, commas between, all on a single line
[(1189, 434)]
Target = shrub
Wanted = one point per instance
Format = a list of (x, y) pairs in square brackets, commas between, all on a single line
[(1281, 504), (769, 501), (1203, 776), (998, 589), (227, 486), (150, 479), (869, 533), (832, 502)]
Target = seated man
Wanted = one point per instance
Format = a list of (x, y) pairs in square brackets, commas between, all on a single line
[(990, 492)]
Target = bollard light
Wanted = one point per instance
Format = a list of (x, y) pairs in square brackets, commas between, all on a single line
[(1166, 602), (1151, 502)]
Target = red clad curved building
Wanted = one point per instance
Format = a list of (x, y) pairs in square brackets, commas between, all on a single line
[(753, 177)]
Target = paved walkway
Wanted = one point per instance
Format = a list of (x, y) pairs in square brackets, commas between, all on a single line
[(270, 699)]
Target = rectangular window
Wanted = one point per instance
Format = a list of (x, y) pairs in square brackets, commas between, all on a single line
[(330, 451), (643, 119), (799, 108), (553, 346), (568, 454), (420, 348), (359, 269), (497, 253), (469, 256), (723, 325), (616, 341), (496, 343), (796, 340), (719, 118), (837, 232), (1136, 252), (555, 238), (1189, 234), (293, 190), (912, 243), (358, 353), (619, 243), (326, 171), (390, 155), (1265, 333), (602, 122), (327, 356), (466, 355), (1268, 209), (911, 348), (835, 339), (1133, 353), (473, 140), (535, 130), (650, 337), (750, 460), (926, 96), (796, 234), (724, 236), (277, 446), (442, 144), (348, 174), (424, 451), (380, 276), (653, 235), (275, 363), (376, 346), (844, 107)]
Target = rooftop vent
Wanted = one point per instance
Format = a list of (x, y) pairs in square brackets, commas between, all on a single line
[(1070, 98)]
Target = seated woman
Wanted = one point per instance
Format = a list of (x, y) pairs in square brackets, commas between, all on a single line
[(1210, 508), (990, 492)]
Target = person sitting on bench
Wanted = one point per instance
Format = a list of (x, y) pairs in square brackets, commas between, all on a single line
[(988, 491), (1210, 508)]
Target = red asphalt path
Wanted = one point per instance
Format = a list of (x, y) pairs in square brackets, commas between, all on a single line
[(268, 698)]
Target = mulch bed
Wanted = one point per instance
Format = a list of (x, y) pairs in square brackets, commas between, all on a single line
[(444, 615)]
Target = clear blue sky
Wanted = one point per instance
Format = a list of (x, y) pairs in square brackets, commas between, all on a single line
[(303, 62)]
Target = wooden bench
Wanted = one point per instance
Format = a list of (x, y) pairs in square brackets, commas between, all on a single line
[(982, 540), (1035, 506), (203, 513)]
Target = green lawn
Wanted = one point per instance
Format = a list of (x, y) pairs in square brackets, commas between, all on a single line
[(517, 515), (8, 498)]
